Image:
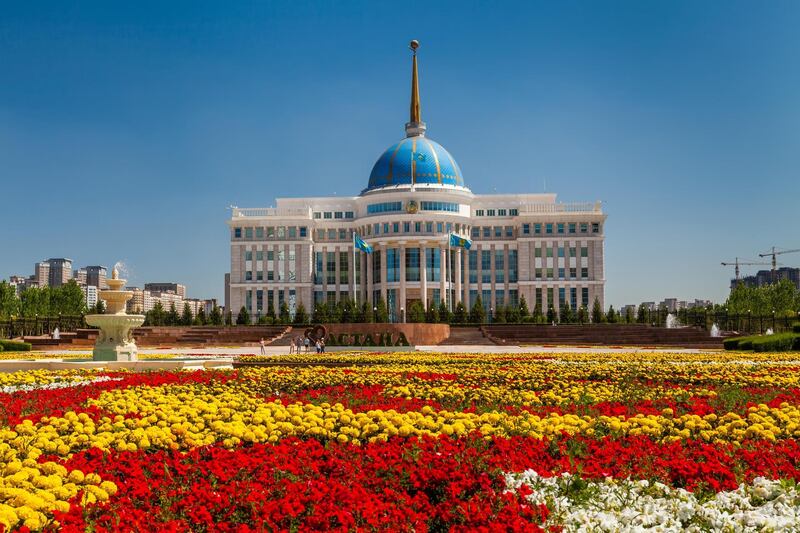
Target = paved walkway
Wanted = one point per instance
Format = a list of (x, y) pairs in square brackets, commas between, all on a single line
[(282, 350)]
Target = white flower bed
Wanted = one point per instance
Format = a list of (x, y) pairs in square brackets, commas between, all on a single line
[(55, 385), (628, 505)]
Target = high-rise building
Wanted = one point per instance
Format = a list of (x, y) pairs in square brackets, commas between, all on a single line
[(765, 277), (60, 271), (175, 288), (41, 274), (80, 276), (96, 275), (527, 245), (90, 294)]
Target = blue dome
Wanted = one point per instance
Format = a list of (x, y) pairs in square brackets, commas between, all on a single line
[(415, 160)]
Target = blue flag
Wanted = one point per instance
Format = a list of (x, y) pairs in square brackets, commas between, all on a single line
[(456, 240), (359, 243)]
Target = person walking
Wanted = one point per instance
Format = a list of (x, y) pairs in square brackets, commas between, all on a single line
[(291, 345), (307, 343), (263, 344), (322, 346)]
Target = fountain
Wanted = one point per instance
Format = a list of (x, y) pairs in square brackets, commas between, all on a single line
[(715, 330), (115, 342), (672, 321)]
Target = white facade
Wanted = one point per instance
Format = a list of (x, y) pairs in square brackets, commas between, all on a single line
[(522, 244)]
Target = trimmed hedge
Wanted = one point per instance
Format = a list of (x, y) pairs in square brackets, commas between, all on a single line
[(15, 346), (780, 342), (796, 327)]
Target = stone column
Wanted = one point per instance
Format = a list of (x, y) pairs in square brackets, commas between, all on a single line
[(442, 273), (383, 274), (338, 270), (369, 262), (458, 275), (423, 275), (324, 271), (402, 292), (466, 279)]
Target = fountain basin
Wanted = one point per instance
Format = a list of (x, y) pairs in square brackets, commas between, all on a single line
[(115, 342)]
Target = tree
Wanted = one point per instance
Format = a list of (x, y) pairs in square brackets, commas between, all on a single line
[(228, 318), (35, 301), (320, 315), (383, 313), (270, 316), (538, 316), (200, 319), (629, 318), (68, 299), (283, 314), (551, 315), (243, 318), (444, 312), (348, 311), (157, 314), (512, 314), (611, 316), (500, 314), (583, 315), (432, 314), (172, 318), (215, 317), (100, 307), (641, 314), (9, 303), (597, 312), (524, 312), (416, 312), (186, 316), (460, 315), (566, 316), (477, 314), (367, 313), (300, 314)]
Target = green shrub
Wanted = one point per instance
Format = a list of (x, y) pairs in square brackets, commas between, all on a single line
[(780, 342), (15, 346), (746, 343), (796, 327), (732, 343)]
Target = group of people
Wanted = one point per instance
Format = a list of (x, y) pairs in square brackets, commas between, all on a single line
[(298, 343)]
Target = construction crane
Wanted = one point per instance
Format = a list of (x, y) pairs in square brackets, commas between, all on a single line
[(774, 253), (736, 264)]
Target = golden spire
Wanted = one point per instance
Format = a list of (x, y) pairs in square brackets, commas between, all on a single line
[(415, 125), (415, 107)]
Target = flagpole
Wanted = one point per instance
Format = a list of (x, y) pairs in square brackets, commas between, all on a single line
[(448, 277), (355, 294)]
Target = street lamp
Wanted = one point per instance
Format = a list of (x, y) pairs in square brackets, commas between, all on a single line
[(375, 314), (402, 315), (491, 314)]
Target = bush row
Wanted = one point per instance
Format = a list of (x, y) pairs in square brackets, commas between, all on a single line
[(780, 342), (15, 346)]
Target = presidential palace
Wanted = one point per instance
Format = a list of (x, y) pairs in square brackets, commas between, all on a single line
[(303, 250)]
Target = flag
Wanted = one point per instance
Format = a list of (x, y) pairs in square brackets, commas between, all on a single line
[(359, 243), (455, 240)]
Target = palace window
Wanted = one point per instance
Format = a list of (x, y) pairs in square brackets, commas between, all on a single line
[(509, 231), (501, 212), (303, 232), (498, 232), (561, 227), (330, 268), (412, 264), (338, 214), (348, 214), (317, 215), (392, 264), (584, 227), (537, 229), (513, 212), (486, 266), (342, 234), (560, 273), (473, 266), (429, 227), (417, 227), (512, 266), (573, 273), (595, 227), (385, 207), (376, 268), (406, 227), (248, 276), (237, 233), (526, 229), (479, 212), (248, 233), (270, 232), (585, 296), (476, 232), (548, 228), (396, 227), (490, 212), (248, 255), (432, 264), (487, 232), (259, 233), (327, 215), (499, 266), (572, 227), (585, 272), (439, 206), (537, 252), (584, 251)]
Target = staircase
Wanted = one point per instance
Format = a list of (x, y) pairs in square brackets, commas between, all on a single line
[(69, 339), (208, 335), (601, 334), (467, 336)]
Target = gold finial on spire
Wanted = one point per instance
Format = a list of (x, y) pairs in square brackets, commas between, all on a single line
[(415, 107), (415, 125)]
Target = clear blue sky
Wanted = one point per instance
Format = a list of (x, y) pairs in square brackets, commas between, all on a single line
[(127, 129)]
